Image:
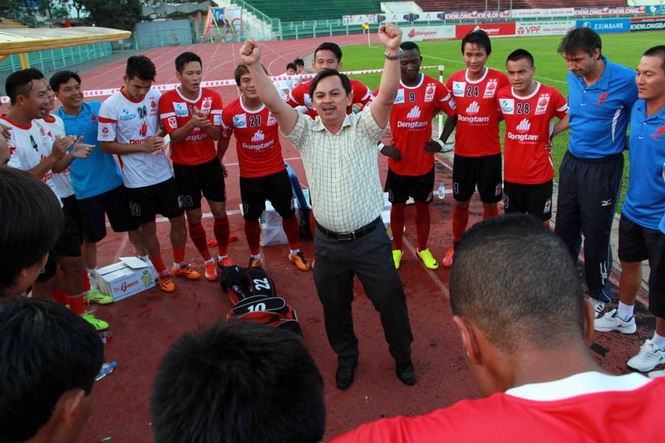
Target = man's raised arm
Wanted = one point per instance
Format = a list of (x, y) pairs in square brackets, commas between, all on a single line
[(250, 54), (391, 36)]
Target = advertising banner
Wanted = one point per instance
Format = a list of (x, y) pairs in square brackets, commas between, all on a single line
[(430, 16), (544, 28), (358, 19), (424, 33), (606, 26), (647, 24), (492, 29), (620, 10), (475, 15), (542, 13)]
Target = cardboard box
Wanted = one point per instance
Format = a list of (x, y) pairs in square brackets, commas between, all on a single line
[(129, 276)]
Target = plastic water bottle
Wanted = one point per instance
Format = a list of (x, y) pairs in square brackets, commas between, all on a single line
[(106, 369), (442, 191)]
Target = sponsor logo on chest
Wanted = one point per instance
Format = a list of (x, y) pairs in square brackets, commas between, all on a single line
[(541, 105)]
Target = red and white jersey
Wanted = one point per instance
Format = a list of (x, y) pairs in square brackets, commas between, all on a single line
[(411, 123), (529, 125), (175, 110), (477, 132), (299, 96), (29, 146), (123, 120), (55, 127), (586, 407), (257, 139)]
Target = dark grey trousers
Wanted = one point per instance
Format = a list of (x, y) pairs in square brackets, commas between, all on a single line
[(370, 258)]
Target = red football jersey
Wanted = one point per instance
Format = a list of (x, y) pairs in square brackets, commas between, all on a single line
[(529, 124), (411, 123), (477, 112), (257, 139), (299, 96), (175, 110), (611, 416)]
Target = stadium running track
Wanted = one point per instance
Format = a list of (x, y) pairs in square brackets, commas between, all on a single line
[(145, 325)]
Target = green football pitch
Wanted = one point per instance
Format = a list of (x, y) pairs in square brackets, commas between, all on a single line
[(625, 49)]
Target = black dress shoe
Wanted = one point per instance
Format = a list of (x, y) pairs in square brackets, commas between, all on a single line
[(344, 377), (406, 374)]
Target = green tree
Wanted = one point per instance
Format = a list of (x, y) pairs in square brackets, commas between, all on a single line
[(119, 14)]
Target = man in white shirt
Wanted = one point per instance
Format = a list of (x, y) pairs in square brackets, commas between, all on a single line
[(129, 127), (340, 159)]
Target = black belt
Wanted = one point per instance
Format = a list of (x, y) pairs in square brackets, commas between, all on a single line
[(350, 235)]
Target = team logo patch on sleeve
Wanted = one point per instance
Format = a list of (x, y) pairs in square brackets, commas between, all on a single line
[(308, 101), (400, 96), (173, 122), (271, 119), (217, 120)]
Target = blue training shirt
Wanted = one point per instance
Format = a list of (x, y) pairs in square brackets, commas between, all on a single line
[(99, 172), (599, 113), (662, 225), (645, 199)]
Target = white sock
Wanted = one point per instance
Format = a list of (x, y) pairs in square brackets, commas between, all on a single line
[(659, 340), (294, 251), (145, 258), (212, 260), (92, 271), (255, 257), (625, 312), (221, 257), (176, 265)]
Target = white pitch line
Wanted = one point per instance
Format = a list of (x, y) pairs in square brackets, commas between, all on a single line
[(437, 281)]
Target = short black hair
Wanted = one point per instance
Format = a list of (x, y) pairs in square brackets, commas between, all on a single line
[(407, 46), (184, 58), (656, 51), (330, 46), (299, 62), (238, 381), (62, 77), (31, 222), (519, 54), (140, 66), (346, 83), (291, 66), (580, 39), (20, 83), (242, 70), (480, 38), (45, 351), (516, 280)]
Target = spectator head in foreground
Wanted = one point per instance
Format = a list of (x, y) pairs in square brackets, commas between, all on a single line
[(238, 381), (30, 224), (49, 357), (516, 296)]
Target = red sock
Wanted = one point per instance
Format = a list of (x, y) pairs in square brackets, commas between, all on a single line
[(178, 255), (86, 282), (198, 235), (397, 218), (460, 219), (490, 212), (158, 263), (312, 223), (221, 230), (253, 234), (422, 224), (75, 303), (59, 295), (291, 229)]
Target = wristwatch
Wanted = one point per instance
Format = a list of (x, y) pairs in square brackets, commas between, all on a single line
[(393, 57)]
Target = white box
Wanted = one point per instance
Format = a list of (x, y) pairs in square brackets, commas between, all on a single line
[(129, 276)]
